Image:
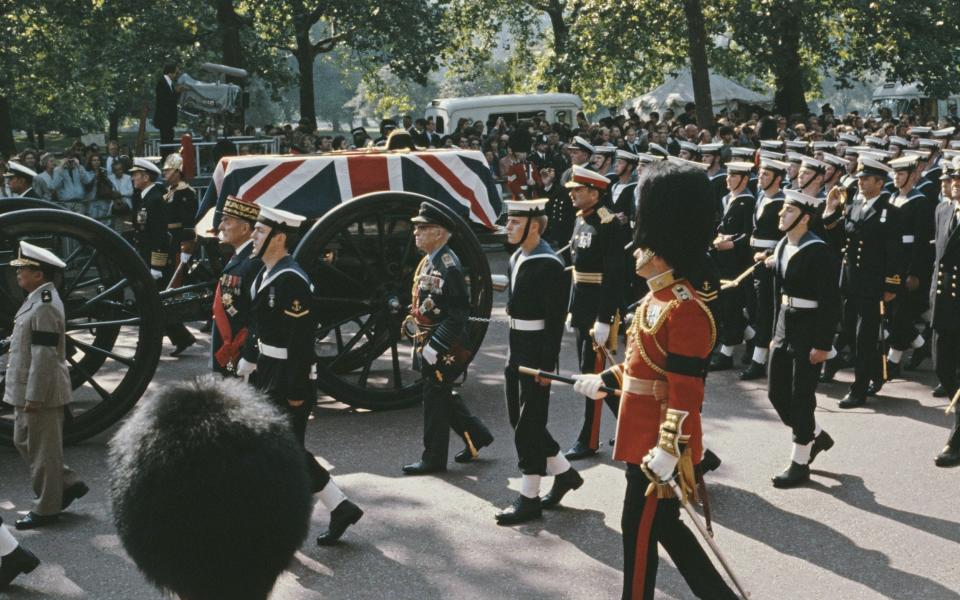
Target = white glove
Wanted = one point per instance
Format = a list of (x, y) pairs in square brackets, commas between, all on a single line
[(245, 368), (601, 332), (155, 274), (569, 323), (185, 258), (589, 385), (429, 354), (661, 463)]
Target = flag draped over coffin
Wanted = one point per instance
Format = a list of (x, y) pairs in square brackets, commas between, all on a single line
[(311, 185)]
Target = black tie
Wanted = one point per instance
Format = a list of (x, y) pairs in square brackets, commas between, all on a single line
[(954, 221)]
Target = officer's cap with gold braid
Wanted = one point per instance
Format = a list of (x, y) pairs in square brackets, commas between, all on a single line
[(35, 256), (583, 177), (526, 208), (142, 164), (240, 209), (280, 219), (15, 169)]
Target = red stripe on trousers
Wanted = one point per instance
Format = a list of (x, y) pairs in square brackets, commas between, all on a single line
[(368, 174), (453, 181), (643, 547), (270, 179)]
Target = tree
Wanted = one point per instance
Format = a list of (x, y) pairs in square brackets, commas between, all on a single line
[(699, 69)]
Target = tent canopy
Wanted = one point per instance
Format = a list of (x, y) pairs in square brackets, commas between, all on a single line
[(678, 90)]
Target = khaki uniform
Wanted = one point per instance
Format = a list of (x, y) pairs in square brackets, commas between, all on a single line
[(37, 374)]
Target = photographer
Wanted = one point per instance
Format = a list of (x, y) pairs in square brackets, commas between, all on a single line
[(99, 192), (68, 184)]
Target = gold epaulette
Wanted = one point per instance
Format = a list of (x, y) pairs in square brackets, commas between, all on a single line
[(158, 259), (605, 215), (895, 280)]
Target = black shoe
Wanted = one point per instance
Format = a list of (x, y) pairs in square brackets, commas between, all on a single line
[(181, 347), (852, 400), (830, 369), (465, 455), (940, 392), (207, 327), (874, 388), (710, 462), (19, 561), (821, 443), (948, 457), (562, 483), (522, 510), (344, 515), (794, 475), (74, 492), (721, 362), (579, 450), (747, 357), (919, 355), (754, 371), (893, 371), (612, 442), (33, 520), (423, 468)]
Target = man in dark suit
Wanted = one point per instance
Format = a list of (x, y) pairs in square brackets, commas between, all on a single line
[(165, 109)]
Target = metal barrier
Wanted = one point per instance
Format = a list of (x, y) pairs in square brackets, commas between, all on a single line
[(202, 150)]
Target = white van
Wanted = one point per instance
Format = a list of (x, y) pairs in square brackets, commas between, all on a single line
[(447, 112), (901, 98)]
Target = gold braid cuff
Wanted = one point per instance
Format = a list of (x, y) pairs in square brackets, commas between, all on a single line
[(670, 429)]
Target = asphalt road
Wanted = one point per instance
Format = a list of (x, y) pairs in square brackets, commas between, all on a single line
[(877, 521)]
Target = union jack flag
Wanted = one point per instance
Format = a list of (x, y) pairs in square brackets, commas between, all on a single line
[(310, 185)]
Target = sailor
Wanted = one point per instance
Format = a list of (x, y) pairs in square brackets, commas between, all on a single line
[(181, 210), (280, 356), (603, 160), (916, 217), (438, 317), (20, 180), (870, 243), (808, 310), (798, 147), (536, 304), (766, 234), (624, 184), (710, 154), (794, 160), (662, 378), (896, 145), (689, 151), (231, 301), (834, 170), (931, 176), (732, 252), (811, 176), (38, 385), (596, 251)]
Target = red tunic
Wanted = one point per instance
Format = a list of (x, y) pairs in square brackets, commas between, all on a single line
[(670, 321)]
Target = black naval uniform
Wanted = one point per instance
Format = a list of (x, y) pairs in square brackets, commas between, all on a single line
[(870, 243), (766, 234), (945, 296), (537, 307), (151, 237), (718, 182), (181, 213), (915, 215), (560, 211), (231, 309), (737, 220), (596, 251), (441, 307), (808, 311), (282, 323)]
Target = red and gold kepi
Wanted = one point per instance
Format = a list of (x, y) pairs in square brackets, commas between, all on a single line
[(236, 207)]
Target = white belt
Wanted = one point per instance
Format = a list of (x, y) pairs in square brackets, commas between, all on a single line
[(762, 243), (527, 324), (645, 387), (272, 351), (794, 302), (908, 239)]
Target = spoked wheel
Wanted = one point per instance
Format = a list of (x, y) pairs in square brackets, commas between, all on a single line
[(112, 308), (361, 257)]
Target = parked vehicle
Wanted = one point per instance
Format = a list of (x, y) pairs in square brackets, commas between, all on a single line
[(910, 99), (447, 112)]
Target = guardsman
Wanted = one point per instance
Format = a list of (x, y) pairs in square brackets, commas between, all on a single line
[(659, 430), (181, 210), (916, 217), (14, 558), (945, 298), (283, 321), (807, 316), (231, 301), (20, 180), (596, 251), (868, 238), (537, 293), (766, 234), (38, 385), (732, 252), (439, 316), (521, 177)]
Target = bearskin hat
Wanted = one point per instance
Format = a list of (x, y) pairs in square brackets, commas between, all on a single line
[(676, 215), (209, 492), (520, 139)]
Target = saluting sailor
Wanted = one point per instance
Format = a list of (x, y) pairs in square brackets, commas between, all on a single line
[(537, 305), (807, 316), (280, 353)]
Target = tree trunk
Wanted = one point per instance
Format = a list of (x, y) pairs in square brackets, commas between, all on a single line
[(699, 69), (113, 127), (41, 140), (561, 41), (304, 56), (31, 140), (7, 146), (789, 98), (232, 49)]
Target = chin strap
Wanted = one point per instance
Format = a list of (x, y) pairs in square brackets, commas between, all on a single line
[(266, 244), (526, 232)]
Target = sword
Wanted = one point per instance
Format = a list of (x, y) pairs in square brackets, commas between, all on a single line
[(953, 403), (726, 284), (883, 355), (562, 378), (707, 538)]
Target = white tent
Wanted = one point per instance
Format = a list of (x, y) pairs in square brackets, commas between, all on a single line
[(678, 90)]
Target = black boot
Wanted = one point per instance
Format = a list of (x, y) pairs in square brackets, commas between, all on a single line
[(579, 450), (941, 392), (821, 443), (919, 355), (852, 400), (19, 561), (794, 475), (710, 462), (874, 387), (522, 510), (754, 371), (423, 468), (562, 483), (721, 362), (344, 515), (948, 457), (465, 455)]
